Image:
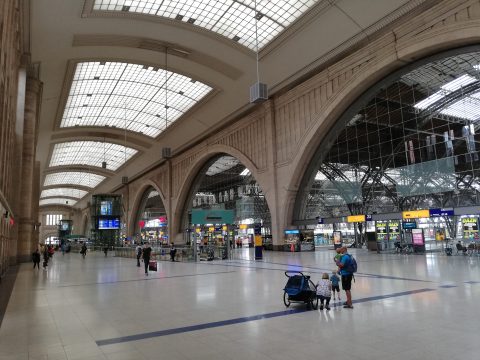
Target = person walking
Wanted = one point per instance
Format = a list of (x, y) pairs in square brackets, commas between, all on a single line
[(335, 284), (324, 291), (138, 250), (45, 257), (346, 265), (173, 252), (83, 251), (36, 258), (147, 251)]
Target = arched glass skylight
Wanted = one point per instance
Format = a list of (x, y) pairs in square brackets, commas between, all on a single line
[(130, 96), (57, 201), (73, 178), (90, 153), (234, 19), (74, 193)]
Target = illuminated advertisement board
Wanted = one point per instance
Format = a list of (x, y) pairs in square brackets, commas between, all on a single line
[(417, 237), (381, 230), (394, 230), (470, 228)]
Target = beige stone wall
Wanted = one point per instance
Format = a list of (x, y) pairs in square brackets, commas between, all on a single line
[(279, 138), (10, 60)]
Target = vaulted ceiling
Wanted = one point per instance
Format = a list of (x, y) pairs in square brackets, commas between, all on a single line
[(125, 78)]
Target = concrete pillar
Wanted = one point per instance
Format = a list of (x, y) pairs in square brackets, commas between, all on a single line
[(27, 215)]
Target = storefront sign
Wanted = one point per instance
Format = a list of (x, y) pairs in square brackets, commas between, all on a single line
[(356, 218), (243, 226), (409, 224), (415, 214), (292, 231), (441, 212), (212, 216)]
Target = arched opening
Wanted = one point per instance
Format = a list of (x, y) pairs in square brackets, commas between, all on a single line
[(224, 206), (409, 143), (151, 224)]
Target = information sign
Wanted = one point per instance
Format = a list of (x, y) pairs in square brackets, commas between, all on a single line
[(441, 212), (417, 237), (381, 230), (415, 214), (355, 218)]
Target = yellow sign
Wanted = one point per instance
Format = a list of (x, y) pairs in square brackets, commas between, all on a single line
[(356, 218), (224, 227), (243, 226), (198, 230), (211, 229), (416, 214)]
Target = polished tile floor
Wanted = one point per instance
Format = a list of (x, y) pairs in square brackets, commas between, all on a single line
[(407, 307)]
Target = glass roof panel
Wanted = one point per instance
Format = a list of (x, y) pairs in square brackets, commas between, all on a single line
[(129, 96), (75, 193), (91, 153), (73, 178), (234, 19), (59, 201), (224, 163)]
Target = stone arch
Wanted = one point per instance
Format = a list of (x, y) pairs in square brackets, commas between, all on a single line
[(48, 234), (363, 86), (137, 202), (194, 171)]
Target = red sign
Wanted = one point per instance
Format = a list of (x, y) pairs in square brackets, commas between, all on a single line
[(163, 219), (141, 223)]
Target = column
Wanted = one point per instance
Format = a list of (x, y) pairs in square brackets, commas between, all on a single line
[(27, 215)]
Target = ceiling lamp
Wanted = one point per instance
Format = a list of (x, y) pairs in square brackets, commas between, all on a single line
[(258, 91)]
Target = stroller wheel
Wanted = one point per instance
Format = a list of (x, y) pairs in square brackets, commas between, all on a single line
[(286, 301)]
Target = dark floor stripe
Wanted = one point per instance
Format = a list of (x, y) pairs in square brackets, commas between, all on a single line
[(143, 279), (315, 270), (240, 320)]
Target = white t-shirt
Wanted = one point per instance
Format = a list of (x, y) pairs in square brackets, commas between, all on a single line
[(324, 288)]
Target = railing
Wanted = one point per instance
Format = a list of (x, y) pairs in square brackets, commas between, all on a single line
[(158, 253)]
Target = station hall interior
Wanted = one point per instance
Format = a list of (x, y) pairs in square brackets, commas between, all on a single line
[(245, 142)]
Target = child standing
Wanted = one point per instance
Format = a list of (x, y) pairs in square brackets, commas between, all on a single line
[(324, 291), (335, 284)]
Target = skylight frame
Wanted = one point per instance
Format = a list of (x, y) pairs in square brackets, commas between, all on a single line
[(90, 153), (63, 192), (79, 178), (129, 95), (220, 17), (57, 201)]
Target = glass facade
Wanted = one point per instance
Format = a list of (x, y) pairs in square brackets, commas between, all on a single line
[(413, 145)]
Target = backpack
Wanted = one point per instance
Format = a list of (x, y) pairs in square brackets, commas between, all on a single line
[(351, 266)]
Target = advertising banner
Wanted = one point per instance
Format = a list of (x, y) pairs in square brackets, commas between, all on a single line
[(470, 228), (417, 237), (394, 230), (381, 230)]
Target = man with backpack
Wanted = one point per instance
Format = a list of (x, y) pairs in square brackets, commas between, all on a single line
[(348, 266)]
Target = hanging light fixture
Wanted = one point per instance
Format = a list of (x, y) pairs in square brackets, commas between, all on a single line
[(125, 177), (166, 151), (258, 91), (104, 163)]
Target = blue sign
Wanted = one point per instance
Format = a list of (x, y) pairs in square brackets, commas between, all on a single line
[(292, 231), (368, 218), (108, 224), (441, 212), (409, 225), (319, 220)]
